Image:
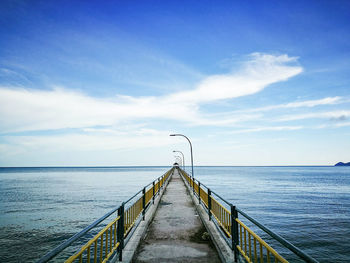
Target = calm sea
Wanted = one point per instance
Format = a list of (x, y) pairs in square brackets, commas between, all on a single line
[(41, 207)]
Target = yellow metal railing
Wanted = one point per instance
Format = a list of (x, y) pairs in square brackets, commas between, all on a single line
[(131, 215), (243, 240), (222, 216), (133, 212), (204, 197), (102, 246), (251, 246), (255, 252), (156, 187), (195, 187), (105, 243), (189, 180), (149, 195)]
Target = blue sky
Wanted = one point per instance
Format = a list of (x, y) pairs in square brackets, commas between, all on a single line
[(106, 82)]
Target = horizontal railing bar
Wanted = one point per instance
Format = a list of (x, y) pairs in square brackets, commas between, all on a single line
[(261, 241), (72, 239), (156, 180), (142, 189), (201, 183), (280, 239), (149, 184), (91, 241), (133, 196), (228, 203), (69, 241)]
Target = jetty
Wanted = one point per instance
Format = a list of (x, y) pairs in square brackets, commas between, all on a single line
[(176, 218), (176, 233)]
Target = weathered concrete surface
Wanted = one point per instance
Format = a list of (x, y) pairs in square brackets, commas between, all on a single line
[(175, 235), (140, 232), (225, 252)]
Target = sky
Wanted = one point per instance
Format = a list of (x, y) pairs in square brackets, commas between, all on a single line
[(104, 83)]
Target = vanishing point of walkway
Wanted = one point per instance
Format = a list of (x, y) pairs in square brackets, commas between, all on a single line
[(176, 233)]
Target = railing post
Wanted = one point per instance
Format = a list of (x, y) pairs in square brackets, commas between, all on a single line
[(209, 204), (193, 185), (234, 230), (159, 186), (143, 202), (120, 231), (199, 192), (153, 192)]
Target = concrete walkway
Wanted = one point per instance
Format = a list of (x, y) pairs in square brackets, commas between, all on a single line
[(176, 233)]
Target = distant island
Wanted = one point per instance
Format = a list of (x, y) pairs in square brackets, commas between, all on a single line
[(342, 164)]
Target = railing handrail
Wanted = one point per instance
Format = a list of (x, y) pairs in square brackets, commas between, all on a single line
[(223, 199), (54, 252), (277, 237), (280, 239), (201, 183), (72, 239), (143, 187), (227, 202), (127, 201)]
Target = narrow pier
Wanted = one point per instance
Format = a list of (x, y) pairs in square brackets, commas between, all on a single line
[(173, 221), (176, 233)]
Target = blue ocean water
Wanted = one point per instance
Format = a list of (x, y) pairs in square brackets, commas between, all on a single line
[(41, 207)]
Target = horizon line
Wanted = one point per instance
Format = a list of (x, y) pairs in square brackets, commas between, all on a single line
[(127, 166)]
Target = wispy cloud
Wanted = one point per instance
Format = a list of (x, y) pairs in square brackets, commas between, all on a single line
[(343, 124), (300, 104), (256, 74), (22, 109), (59, 108), (262, 129), (331, 115), (12, 77), (239, 116)]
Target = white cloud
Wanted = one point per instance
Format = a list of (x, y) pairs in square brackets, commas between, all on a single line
[(332, 115), (313, 103), (261, 129), (343, 124), (299, 104), (24, 109), (239, 116), (257, 73), (333, 125)]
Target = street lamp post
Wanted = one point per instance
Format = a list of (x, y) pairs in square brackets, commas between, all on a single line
[(183, 159), (191, 151)]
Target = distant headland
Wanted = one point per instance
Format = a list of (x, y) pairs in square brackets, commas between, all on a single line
[(342, 164)]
